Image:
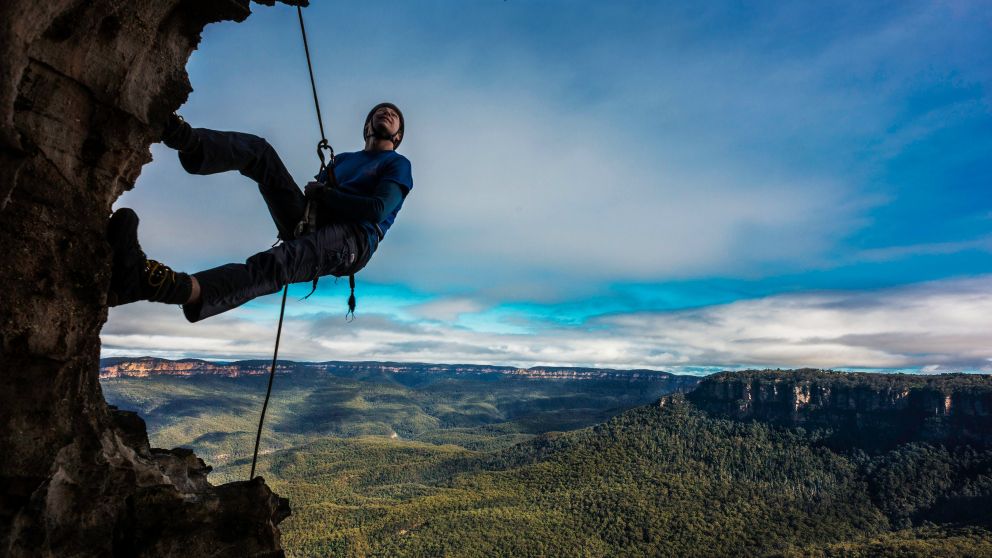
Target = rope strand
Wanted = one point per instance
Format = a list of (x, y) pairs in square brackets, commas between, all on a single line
[(308, 218), (313, 83), (272, 375)]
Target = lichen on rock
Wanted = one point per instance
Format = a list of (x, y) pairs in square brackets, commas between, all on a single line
[(85, 86)]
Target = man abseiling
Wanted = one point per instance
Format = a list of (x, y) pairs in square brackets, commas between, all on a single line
[(352, 218)]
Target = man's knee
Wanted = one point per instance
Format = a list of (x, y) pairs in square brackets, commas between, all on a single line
[(269, 267), (258, 144), (290, 262), (264, 158)]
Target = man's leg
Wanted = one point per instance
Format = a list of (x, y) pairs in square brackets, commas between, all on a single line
[(203, 151), (135, 277), (333, 250)]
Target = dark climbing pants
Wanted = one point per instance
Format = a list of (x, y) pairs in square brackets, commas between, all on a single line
[(335, 249)]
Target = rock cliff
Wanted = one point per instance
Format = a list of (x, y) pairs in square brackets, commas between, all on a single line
[(85, 86), (872, 411), (139, 367)]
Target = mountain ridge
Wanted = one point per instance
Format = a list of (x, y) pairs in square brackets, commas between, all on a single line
[(116, 367), (865, 409)]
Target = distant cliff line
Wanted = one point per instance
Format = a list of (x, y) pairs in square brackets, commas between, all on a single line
[(861, 409), (142, 367)]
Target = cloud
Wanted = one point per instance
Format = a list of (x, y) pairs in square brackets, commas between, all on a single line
[(447, 309), (944, 325), (941, 323), (332, 325), (983, 244)]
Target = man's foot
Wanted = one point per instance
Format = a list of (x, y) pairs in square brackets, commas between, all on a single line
[(135, 277), (178, 134)]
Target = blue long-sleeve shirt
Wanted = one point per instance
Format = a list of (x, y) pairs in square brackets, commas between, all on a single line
[(372, 186)]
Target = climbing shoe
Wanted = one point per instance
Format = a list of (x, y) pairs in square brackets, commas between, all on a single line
[(134, 276), (178, 134)]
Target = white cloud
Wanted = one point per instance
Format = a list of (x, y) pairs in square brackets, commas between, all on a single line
[(944, 325), (446, 309)]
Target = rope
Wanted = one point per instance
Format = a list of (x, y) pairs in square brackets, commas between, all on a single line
[(323, 144), (313, 84), (268, 392), (308, 219)]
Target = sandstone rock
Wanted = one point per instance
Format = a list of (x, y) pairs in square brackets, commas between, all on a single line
[(872, 411)]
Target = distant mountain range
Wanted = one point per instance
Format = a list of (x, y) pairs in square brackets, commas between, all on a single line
[(124, 367)]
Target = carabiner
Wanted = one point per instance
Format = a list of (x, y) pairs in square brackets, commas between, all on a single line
[(321, 146)]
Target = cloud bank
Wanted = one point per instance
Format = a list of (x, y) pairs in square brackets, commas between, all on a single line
[(938, 326)]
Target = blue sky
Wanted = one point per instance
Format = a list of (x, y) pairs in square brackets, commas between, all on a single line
[(627, 184)]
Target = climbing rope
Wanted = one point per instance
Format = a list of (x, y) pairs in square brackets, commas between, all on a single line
[(323, 144), (272, 375), (308, 224)]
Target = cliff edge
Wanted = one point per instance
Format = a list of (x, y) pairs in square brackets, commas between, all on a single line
[(85, 86), (866, 410)]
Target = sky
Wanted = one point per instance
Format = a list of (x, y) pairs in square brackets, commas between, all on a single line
[(676, 186)]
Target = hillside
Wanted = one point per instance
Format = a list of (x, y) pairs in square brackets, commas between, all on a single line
[(682, 476), (870, 411), (213, 407), (655, 481)]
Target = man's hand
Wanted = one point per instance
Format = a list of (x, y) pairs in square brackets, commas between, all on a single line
[(313, 189)]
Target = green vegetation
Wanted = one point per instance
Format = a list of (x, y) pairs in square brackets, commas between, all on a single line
[(864, 380), (217, 416), (482, 470), (923, 542), (651, 482)]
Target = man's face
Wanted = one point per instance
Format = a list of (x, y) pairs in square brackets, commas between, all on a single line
[(385, 121)]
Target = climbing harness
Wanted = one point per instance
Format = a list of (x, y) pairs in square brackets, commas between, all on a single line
[(306, 225)]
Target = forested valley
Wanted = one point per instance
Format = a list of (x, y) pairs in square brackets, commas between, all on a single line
[(373, 467)]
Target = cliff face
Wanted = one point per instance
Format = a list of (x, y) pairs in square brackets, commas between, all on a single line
[(867, 410), (145, 367), (149, 366), (84, 89)]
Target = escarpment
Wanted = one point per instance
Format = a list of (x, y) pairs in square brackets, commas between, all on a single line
[(84, 89), (872, 411), (149, 366)]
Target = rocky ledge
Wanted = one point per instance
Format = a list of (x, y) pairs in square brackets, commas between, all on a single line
[(85, 86)]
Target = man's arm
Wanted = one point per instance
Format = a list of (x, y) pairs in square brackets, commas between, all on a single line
[(348, 208)]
